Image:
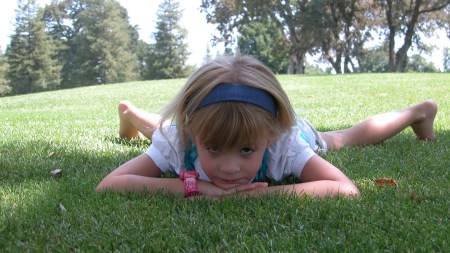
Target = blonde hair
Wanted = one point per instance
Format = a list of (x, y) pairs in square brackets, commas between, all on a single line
[(225, 124)]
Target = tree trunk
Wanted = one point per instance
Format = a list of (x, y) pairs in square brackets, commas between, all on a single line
[(392, 67), (337, 64), (297, 63), (347, 62), (401, 56)]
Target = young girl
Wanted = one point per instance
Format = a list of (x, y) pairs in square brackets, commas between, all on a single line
[(234, 128)]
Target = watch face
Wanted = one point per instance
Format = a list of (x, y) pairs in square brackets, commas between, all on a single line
[(188, 174), (190, 183), (190, 186)]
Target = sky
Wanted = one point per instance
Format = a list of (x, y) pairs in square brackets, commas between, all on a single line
[(143, 14)]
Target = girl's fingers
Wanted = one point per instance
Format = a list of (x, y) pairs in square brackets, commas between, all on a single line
[(211, 191), (247, 187)]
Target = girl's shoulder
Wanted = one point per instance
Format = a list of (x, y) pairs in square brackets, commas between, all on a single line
[(166, 149), (289, 143), (288, 155), (166, 135)]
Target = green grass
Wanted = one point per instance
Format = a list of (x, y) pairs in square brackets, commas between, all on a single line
[(76, 131)]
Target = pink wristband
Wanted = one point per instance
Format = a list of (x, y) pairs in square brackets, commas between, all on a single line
[(190, 183)]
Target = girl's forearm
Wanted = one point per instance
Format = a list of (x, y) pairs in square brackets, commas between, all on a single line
[(135, 183), (317, 188)]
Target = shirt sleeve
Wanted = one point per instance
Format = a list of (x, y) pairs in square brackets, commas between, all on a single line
[(288, 156), (167, 150)]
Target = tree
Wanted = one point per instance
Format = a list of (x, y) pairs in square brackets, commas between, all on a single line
[(417, 63), (97, 43), (4, 87), (105, 44), (337, 29), (406, 18), (30, 56), (288, 16), (374, 60), (340, 29), (446, 60), (263, 40), (168, 55), (142, 52)]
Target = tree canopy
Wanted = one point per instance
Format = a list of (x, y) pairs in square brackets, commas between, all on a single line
[(95, 41), (32, 64), (263, 40), (72, 43), (338, 30), (168, 55)]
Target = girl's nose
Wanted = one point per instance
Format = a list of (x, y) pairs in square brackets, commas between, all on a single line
[(229, 166)]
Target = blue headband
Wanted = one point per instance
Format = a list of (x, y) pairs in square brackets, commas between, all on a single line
[(240, 93)]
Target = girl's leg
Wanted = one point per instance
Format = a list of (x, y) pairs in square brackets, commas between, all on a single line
[(136, 123), (383, 126)]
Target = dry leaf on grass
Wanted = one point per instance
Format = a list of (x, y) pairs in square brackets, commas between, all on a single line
[(51, 154), (415, 198), (381, 182)]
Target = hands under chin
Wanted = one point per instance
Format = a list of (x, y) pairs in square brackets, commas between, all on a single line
[(211, 190)]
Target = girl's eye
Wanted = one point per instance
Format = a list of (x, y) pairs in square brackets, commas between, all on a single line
[(214, 150), (246, 151)]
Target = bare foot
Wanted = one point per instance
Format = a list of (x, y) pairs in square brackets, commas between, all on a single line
[(423, 127), (127, 130)]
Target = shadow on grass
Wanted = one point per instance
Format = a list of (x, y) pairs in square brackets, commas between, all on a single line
[(139, 143), (34, 159), (29, 159), (43, 210)]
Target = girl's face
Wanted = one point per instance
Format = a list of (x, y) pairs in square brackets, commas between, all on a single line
[(232, 167)]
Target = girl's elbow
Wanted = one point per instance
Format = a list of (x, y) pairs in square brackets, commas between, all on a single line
[(104, 185), (115, 183)]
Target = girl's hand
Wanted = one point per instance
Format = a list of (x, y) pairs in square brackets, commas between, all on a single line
[(212, 191)]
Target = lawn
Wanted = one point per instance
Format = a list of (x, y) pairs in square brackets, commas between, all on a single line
[(75, 131)]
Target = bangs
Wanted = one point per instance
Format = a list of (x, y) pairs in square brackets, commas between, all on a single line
[(228, 124)]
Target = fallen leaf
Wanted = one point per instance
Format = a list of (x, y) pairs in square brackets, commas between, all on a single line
[(415, 198), (56, 173), (311, 96), (381, 182), (51, 154)]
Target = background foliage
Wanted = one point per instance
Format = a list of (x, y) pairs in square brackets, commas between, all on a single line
[(72, 43), (338, 30)]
